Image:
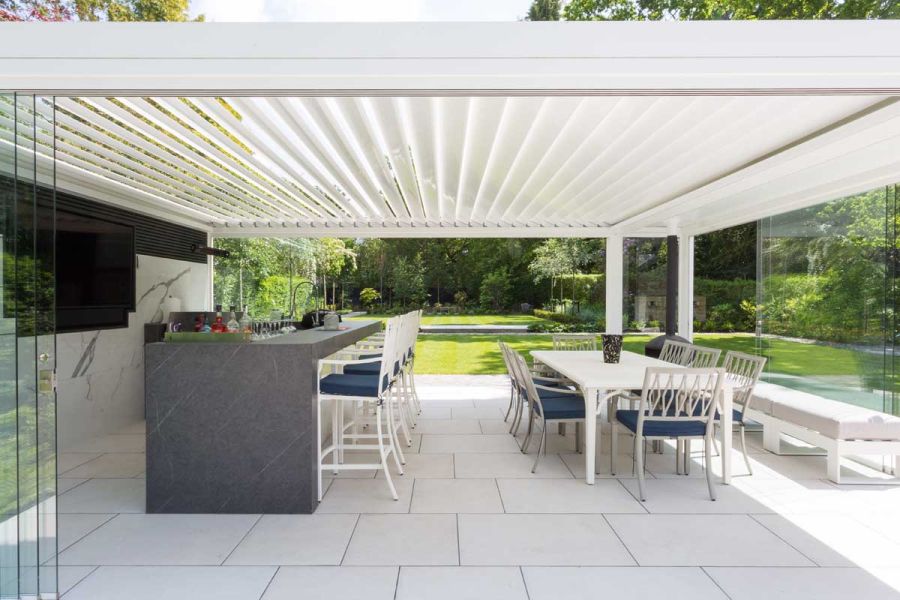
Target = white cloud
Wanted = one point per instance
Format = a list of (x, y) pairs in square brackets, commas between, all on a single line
[(360, 10)]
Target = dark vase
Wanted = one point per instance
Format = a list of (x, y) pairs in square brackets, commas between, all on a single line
[(612, 347)]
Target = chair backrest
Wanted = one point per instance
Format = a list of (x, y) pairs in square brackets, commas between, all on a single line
[(504, 352), (391, 351), (575, 341), (702, 357), (680, 394), (523, 377), (742, 371), (677, 353)]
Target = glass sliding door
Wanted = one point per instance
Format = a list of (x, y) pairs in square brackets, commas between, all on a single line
[(27, 350), (827, 299)]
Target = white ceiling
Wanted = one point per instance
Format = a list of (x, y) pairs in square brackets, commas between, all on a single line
[(467, 165)]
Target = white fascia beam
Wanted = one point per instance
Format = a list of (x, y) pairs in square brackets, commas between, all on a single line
[(615, 283), (407, 230), (686, 286)]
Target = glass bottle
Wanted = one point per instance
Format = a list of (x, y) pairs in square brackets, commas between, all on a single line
[(233, 325), (218, 325), (246, 325)]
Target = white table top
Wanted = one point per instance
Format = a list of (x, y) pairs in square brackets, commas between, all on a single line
[(588, 370)]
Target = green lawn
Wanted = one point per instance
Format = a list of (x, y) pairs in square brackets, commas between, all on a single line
[(468, 319), (479, 355)]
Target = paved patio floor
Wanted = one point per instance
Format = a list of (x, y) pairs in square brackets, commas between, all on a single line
[(473, 522)]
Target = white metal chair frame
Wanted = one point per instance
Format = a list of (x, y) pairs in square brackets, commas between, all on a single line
[(575, 341), (536, 408), (383, 400), (518, 397), (675, 395), (742, 371)]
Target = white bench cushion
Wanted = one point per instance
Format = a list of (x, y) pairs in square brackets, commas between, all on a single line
[(837, 420)]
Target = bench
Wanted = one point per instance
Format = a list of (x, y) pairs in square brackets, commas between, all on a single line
[(840, 429)]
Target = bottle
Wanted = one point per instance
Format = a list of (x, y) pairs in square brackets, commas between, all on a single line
[(199, 322), (246, 325), (218, 325), (233, 325)]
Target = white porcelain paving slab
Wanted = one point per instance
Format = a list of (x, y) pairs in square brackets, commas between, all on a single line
[(173, 583), (456, 496), (66, 461), (137, 428), (442, 444), (539, 540), (834, 540), (70, 527), (509, 465), (366, 495), (448, 403), (461, 583), (620, 583), (404, 540), (801, 584), (566, 497), (624, 466), (333, 583), (493, 412), (68, 577), (887, 523), (64, 484), (436, 412), (423, 466), (448, 426), (114, 443), (295, 540), (160, 540), (122, 464), (703, 540), (690, 495), (105, 496), (494, 426)]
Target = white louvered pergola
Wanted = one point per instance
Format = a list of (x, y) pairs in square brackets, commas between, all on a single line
[(455, 129)]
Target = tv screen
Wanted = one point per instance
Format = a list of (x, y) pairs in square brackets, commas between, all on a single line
[(94, 263)]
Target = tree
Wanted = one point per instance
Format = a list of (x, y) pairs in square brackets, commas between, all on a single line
[(35, 10), (408, 281), (495, 290), (543, 10), (133, 10), (699, 10)]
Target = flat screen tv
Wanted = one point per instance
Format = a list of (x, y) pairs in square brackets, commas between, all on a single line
[(95, 272)]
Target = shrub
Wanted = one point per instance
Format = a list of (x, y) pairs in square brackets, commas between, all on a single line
[(460, 298), (557, 317), (369, 297)]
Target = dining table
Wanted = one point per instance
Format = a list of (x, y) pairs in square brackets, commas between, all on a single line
[(600, 381)]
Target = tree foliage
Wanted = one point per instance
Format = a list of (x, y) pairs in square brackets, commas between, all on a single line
[(133, 10), (700, 10), (35, 10), (543, 10)]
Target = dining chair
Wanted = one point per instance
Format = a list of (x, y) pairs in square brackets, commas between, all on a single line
[(546, 403), (742, 372), (575, 341), (518, 397), (701, 357), (676, 403), (675, 352)]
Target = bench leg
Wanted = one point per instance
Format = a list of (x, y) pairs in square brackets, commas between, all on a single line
[(833, 463), (772, 437)]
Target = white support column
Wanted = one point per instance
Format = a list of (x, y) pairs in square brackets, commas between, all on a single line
[(686, 286), (614, 283), (210, 270)]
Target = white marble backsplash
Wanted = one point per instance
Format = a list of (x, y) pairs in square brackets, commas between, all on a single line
[(101, 373)]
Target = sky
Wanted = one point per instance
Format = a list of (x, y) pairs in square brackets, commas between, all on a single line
[(360, 10)]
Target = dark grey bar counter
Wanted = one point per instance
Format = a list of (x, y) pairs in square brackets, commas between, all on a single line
[(231, 427)]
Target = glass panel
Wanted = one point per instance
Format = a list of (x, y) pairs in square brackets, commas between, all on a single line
[(27, 395), (644, 293), (826, 299)]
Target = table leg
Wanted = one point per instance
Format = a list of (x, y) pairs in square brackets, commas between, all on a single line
[(725, 427), (590, 434)]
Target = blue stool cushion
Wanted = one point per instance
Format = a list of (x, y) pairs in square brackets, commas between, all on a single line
[(562, 407), (629, 419), (351, 385), (373, 368)]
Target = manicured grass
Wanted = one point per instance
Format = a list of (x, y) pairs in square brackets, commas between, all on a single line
[(479, 355), (469, 319)]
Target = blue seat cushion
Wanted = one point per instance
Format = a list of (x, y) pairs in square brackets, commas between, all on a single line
[(351, 385), (566, 406), (629, 419), (372, 368)]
